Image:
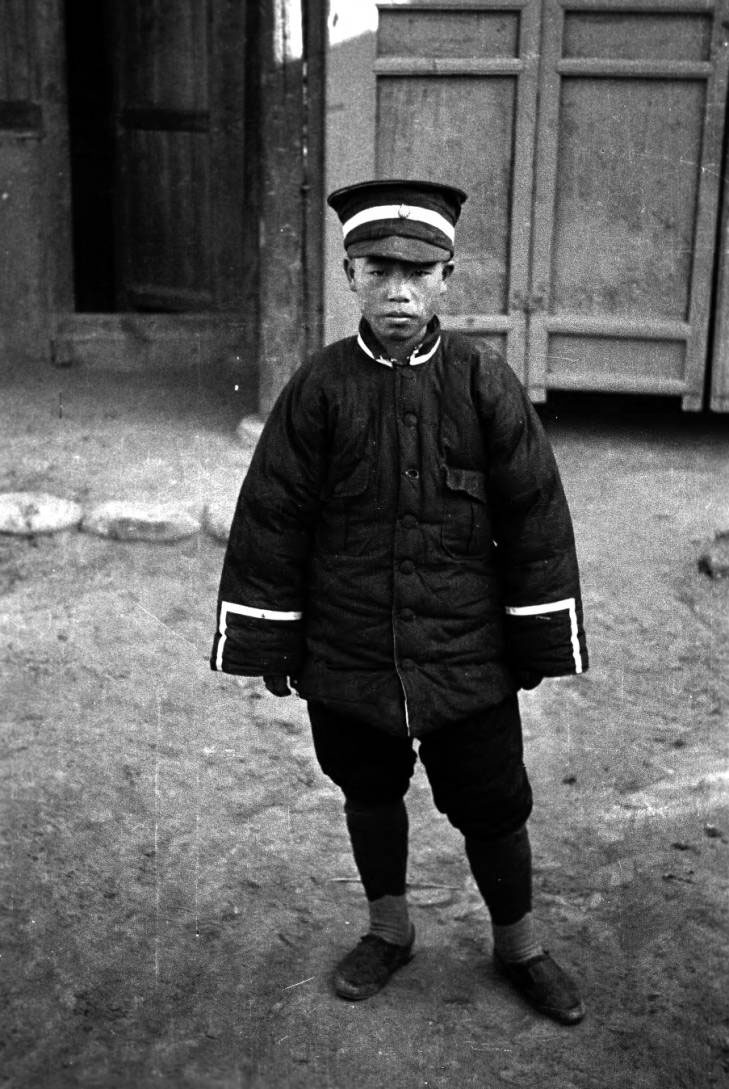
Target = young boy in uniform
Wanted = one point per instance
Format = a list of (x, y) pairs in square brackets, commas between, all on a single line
[(402, 555)]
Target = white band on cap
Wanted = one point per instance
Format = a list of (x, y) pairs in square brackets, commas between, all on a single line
[(401, 211)]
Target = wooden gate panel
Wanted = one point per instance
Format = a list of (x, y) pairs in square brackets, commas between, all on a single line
[(167, 258), (164, 242), (427, 126), (165, 61), (20, 111), (626, 198), (627, 168), (456, 96), (457, 31)]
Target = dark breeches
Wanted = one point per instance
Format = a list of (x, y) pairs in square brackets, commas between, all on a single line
[(475, 767)]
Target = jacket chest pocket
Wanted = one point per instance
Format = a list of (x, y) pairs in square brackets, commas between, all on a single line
[(466, 526), (340, 515)]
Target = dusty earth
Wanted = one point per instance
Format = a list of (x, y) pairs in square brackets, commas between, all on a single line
[(176, 880)]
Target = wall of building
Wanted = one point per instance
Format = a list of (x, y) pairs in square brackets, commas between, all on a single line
[(34, 190)]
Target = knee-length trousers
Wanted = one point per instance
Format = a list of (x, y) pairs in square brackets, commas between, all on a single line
[(475, 766)]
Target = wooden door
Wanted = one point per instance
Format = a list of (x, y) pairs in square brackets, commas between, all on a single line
[(456, 100), (453, 99), (179, 114), (34, 196), (628, 163), (588, 134)]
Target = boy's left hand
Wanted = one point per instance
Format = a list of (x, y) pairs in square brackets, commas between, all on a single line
[(277, 684)]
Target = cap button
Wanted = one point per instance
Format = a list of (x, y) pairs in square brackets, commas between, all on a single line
[(403, 211)]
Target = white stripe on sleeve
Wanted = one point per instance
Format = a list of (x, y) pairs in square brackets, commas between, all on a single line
[(568, 604), (228, 607)]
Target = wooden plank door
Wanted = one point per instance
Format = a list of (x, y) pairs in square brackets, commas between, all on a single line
[(179, 114), (35, 248), (454, 101), (628, 164)]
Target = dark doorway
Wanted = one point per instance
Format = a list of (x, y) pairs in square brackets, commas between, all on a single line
[(92, 145)]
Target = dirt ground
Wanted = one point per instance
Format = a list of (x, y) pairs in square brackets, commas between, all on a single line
[(176, 880)]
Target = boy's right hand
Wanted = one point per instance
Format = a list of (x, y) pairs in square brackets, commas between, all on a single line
[(277, 684)]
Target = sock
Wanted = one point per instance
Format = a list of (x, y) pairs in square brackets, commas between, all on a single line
[(379, 837), (516, 941), (502, 869), (389, 919)]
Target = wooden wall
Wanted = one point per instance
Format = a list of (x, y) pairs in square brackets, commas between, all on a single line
[(34, 191)]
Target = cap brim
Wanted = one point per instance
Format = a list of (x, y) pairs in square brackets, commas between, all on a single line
[(398, 248)]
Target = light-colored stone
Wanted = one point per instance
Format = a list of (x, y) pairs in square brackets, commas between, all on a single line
[(249, 430), (714, 559), (217, 518), (134, 521), (28, 513), (431, 897)]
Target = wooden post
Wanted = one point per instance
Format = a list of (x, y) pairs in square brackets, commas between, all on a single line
[(280, 115), (315, 44)]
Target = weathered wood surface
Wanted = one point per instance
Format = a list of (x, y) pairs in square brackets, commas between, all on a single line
[(589, 138)]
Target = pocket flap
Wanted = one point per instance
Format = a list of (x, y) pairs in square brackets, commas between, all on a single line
[(470, 481)]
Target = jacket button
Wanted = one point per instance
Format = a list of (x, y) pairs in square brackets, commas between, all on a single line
[(413, 474), (407, 567), (410, 419), (409, 521), (407, 664), (407, 615)]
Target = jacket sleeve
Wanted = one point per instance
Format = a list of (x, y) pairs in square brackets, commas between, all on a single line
[(534, 538), (262, 585)]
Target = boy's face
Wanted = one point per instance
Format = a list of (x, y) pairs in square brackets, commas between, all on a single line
[(397, 298)]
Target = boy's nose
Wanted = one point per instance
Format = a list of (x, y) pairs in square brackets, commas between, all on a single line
[(397, 287)]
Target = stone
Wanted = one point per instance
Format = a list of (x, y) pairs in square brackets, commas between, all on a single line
[(431, 897), (714, 559), (136, 521), (216, 520), (28, 513)]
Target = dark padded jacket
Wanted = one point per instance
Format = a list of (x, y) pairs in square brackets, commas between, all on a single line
[(402, 545)]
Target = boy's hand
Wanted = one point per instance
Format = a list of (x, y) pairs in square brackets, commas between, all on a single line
[(277, 684)]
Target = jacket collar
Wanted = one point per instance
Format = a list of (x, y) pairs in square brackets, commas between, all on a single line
[(372, 348)]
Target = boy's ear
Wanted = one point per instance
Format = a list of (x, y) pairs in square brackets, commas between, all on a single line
[(348, 266)]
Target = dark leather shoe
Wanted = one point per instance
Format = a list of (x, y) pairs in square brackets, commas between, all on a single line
[(366, 969), (546, 986)]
